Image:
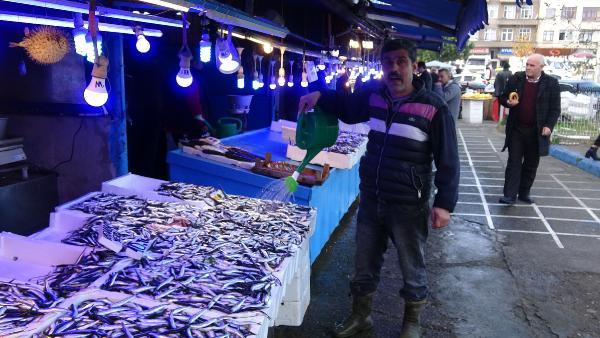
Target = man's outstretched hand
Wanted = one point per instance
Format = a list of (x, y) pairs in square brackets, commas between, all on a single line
[(439, 218), (308, 102)]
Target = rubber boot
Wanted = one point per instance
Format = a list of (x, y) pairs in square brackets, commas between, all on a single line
[(592, 153), (360, 318), (411, 325)]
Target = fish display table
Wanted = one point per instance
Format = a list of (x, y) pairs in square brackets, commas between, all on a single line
[(332, 199), (189, 261)]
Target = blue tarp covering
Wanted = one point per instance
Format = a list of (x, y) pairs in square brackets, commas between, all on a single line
[(463, 17)]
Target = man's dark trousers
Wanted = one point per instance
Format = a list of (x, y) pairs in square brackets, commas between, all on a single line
[(407, 226), (523, 161)]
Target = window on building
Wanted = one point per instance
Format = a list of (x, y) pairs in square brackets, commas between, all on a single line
[(507, 34), (548, 35), (550, 13), (493, 11), (568, 12), (591, 14), (510, 11), (490, 34), (526, 12), (525, 34), (586, 36), (565, 35)]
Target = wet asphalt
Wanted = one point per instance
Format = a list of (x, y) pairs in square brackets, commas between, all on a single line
[(496, 271)]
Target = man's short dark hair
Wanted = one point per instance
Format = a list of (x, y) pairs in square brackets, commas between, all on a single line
[(505, 65), (395, 44), (445, 70), (421, 64)]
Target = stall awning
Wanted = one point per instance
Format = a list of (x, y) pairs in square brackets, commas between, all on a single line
[(431, 19)]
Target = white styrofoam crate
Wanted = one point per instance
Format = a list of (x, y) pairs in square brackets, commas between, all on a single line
[(291, 313), (335, 160), (301, 281), (217, 158), (23, 258), (143, 187)]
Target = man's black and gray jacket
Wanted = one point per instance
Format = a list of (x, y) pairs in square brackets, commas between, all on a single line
[(402, 143)]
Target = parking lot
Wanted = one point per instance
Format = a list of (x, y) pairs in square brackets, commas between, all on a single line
[(567, 200)]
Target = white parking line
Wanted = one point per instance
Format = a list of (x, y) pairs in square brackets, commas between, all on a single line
[(540, 188), (529, 205), (548, 227), (547, 233), (492, 145), (490, 222), (594, 216), (538, 196)]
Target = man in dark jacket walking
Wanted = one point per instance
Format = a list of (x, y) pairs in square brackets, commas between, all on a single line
[(410, 126), (530, 122), (424, 75), (502, 79)]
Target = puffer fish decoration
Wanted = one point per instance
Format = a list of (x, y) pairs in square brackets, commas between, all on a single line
[(44, 45)]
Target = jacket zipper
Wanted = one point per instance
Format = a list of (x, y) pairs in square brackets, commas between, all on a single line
[(387, 130)]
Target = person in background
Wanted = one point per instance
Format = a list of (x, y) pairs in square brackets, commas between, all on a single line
[(502, 79), (449, 90), (500, 83), (424, 75), (490, 72), (593, 151), (434, 76), (529, 126), (410, 126)]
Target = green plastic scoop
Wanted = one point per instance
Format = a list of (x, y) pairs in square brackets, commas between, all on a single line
[(315, 130)]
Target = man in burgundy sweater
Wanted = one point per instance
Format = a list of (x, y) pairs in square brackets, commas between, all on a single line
[(530, 122)]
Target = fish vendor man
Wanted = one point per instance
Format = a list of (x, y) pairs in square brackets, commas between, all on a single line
[(410, 126)]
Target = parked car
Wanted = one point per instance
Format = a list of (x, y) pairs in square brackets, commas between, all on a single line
[(471, 81)]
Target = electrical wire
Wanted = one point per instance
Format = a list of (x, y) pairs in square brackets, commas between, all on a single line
[(72, 147)]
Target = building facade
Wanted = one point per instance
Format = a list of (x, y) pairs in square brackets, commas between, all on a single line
[(508, 23)]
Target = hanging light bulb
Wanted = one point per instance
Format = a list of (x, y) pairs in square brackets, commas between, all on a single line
[(335, 53), (205, 48), (328, 79), (261, 83), (90, 56), (304, 82), (240, 78), (291, 76), (95, 94), (142, 45), (272, 83), (255, 82), (205, 45), (281, 79), (228, 58), (184, 76), (79, 34), (268, 47), (321, 65)]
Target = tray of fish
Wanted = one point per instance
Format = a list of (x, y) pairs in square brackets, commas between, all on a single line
[(145, 188), (344, 154), (24, 304), (91, 270), (98, 313), (24, 259)]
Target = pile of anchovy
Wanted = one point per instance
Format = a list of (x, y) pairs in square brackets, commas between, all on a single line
[(67, 279), (126, 318), (199, 282), (221, 258), (347, 143), (20, 304)]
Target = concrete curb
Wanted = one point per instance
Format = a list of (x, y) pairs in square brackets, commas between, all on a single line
[(576, 159)]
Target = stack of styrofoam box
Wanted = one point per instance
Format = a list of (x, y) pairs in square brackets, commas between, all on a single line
[(297, 296), (335, 160)]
